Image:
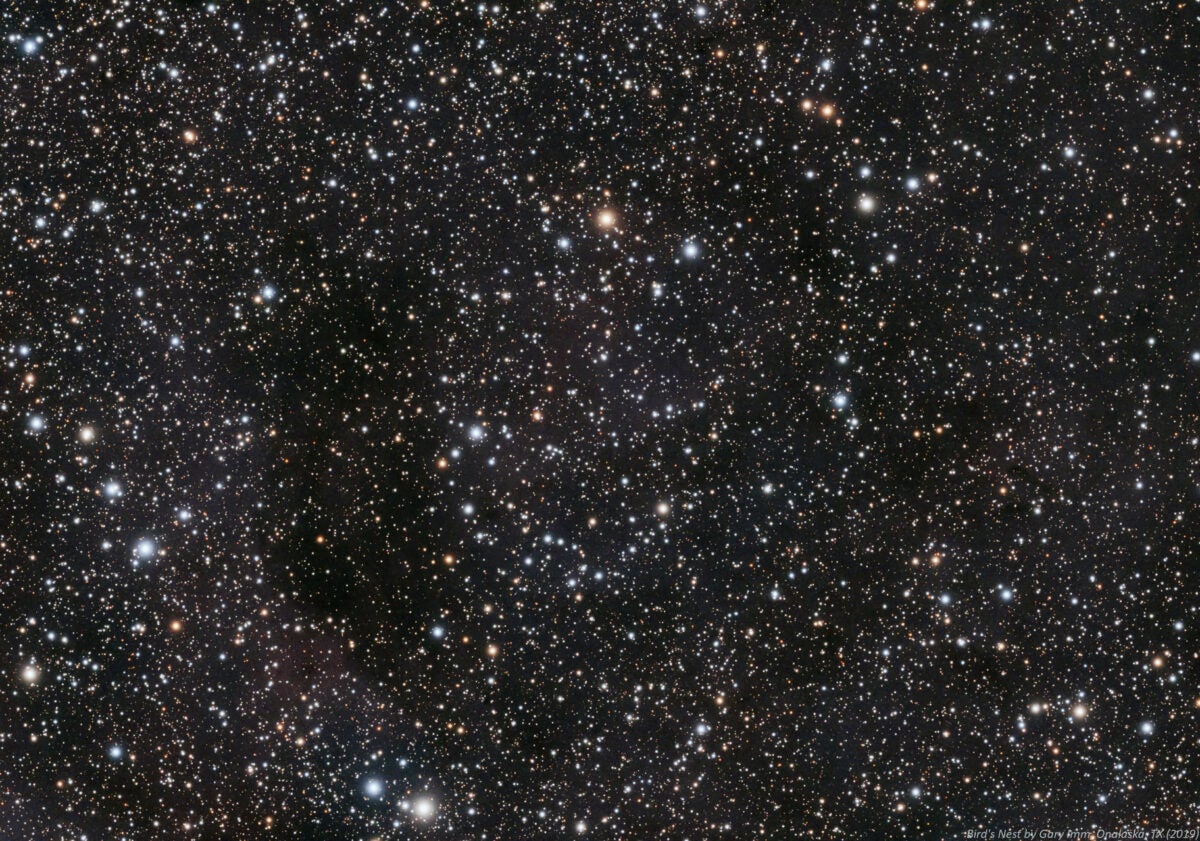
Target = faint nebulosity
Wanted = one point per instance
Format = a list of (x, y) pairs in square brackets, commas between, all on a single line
[(610, 420)]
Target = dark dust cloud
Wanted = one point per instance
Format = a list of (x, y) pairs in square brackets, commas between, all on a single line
[(610, 420)]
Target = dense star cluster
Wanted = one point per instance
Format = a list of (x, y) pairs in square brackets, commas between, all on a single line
[(540, 420)]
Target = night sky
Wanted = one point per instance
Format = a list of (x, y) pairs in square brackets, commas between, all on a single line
[(605, 420)]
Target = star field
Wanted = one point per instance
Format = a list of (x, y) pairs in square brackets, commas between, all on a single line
[(608, 421)]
